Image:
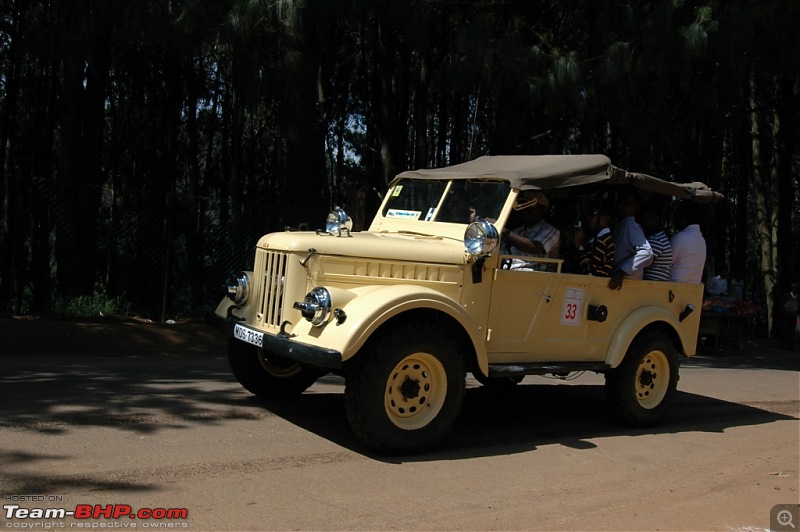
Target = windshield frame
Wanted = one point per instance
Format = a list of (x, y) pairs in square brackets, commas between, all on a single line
[(450, 201)]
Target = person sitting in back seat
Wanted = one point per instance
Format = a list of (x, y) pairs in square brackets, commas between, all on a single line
[(596, 255)]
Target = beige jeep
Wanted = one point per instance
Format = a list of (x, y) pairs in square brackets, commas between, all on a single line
[(405, 309)]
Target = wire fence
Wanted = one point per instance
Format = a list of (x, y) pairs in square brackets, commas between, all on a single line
[(159, 255)]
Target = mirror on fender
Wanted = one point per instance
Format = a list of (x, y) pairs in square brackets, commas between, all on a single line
[(337, 222)]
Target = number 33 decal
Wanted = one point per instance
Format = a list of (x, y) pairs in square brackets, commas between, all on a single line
[(573, 303)]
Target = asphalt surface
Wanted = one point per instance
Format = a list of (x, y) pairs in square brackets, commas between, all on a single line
[(118, 414)]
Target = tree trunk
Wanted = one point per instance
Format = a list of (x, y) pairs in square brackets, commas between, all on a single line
[(9, 184), (307, 191), (85, 65), (421, 114), (783, 127), (389, 104), (765, 214)]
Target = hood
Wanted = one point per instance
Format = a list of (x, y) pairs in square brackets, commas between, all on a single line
[(371, 245)]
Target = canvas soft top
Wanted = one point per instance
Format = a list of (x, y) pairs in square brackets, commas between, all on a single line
[(547, 172)]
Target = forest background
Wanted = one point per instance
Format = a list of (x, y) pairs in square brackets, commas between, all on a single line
[(146, 144)]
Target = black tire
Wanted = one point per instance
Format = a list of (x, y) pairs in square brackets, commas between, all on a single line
[(267, 375), (406, 389), (641, 389)]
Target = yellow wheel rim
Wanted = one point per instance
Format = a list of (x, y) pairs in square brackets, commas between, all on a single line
[(415, 391), (280, 368), (652, 379)]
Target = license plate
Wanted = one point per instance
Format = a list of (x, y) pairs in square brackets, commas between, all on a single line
[(248, 335)]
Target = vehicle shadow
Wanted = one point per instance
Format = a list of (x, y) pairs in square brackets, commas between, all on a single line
[(144, 378), (759, 356), (520, 419)]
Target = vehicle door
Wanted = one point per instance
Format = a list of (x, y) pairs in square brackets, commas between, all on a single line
[(539, 316)]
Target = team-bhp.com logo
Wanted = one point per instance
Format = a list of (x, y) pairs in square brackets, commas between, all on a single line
[(95, 512)]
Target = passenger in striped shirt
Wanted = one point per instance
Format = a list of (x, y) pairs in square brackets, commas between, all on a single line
[(597, 255), (653, 226)]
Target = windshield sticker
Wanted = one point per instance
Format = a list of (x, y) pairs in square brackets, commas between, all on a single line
[(400, 213), (397, 190), (573, 304), (429, 216)]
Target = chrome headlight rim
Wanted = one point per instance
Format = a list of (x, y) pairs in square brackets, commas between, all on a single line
[(317, 306), (239, 289), (480, 238)]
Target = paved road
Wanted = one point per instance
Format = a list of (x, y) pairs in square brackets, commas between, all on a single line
[(148, 417)]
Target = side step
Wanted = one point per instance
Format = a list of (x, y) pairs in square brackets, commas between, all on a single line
[(542, 368)]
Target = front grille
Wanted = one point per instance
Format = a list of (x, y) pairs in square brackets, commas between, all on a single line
[(273, 264)]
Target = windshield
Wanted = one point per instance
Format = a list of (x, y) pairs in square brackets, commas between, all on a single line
[(455, 201)]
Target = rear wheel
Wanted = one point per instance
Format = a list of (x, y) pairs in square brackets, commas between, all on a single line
[(644, 385), (268, 375), (406, 390)]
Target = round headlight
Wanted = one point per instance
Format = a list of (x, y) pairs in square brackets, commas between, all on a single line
[(338, 221), (316, 306), (480, 238), (239, 289)]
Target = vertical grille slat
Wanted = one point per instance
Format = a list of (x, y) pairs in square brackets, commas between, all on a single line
[(274, 268)]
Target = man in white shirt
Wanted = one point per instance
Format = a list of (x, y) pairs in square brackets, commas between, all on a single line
[(688, 247), (632, 250)]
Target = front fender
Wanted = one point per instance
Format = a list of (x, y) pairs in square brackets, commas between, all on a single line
[(632, 325), (372, 307)]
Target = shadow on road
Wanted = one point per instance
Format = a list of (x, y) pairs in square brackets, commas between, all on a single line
[(759, 355), (37, 484), (526, 417), (147, 379)]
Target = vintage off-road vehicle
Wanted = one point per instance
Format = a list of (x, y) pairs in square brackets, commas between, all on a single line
[(405, 309)]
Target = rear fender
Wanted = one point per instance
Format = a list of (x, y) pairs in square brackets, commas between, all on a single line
[(633, 325)]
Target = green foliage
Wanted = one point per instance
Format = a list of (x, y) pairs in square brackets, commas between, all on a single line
[(97, 305), (172, 134)]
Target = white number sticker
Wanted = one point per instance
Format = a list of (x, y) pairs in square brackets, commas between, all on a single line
[(248, 335), (573, 304)]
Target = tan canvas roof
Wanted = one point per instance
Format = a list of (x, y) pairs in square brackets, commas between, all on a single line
[(547, 172)]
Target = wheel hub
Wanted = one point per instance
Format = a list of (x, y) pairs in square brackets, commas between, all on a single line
[(647, 378), (410, 388), (650, 389)]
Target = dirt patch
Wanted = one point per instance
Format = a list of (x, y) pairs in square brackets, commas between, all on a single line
[(108, 337)]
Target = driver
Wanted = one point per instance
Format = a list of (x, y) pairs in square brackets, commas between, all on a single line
[(458, 210), (535, 237)]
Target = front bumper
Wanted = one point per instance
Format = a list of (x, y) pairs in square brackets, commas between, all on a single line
[(285, 347)]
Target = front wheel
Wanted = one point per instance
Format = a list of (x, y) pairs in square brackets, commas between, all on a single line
[(641, 389), (406, 390), (268, 375)]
